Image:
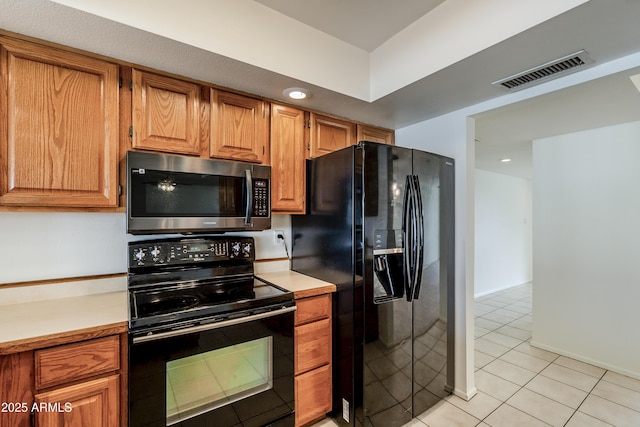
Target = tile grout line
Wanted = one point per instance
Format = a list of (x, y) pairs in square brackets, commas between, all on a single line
[(586, 397), (549, 363)]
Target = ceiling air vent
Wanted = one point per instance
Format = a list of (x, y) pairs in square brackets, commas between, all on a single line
[(544, 72)]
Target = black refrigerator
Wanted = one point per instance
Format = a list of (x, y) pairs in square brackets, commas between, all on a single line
[(380, 226)]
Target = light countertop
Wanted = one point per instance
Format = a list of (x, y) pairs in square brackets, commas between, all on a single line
[(42, 311), (39, 312), (301, 285), (27, 321)]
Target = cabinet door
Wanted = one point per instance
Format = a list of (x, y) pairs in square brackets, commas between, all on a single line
[(330, 134), (287, 159), (92, 403), (239, 127), (313, 395), (165, 114), (58, 127), (376, 134)]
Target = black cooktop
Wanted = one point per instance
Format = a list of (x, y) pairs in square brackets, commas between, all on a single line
[(178, 283), (191, 302)]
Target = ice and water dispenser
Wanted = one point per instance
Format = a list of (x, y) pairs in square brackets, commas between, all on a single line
[(388, 262)]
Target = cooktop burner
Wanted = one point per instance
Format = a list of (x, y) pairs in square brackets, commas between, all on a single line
[(190, 296), (163, 304)]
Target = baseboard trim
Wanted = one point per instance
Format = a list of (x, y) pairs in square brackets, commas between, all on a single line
[(493, 291), (594, 362), (465, 394)]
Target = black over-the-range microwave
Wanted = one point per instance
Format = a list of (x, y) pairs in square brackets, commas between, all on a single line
[(180, 194)]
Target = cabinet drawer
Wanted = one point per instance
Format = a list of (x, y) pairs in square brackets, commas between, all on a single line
[(313, 345), (72, 362), (313, 395), (313, 308)]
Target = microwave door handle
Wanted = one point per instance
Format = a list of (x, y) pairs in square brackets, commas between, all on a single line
[(249, 184)]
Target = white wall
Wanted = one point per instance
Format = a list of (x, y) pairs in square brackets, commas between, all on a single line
[(452, 135), (41, 246), (587, 246), (502, 232)]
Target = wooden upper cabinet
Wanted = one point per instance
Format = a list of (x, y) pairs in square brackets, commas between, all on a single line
[(287, 159), (376, 134), (330, 134), (165, 114), (58, 127), (239, 127)]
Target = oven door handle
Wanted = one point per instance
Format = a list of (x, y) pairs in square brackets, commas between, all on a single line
[(210, 326)]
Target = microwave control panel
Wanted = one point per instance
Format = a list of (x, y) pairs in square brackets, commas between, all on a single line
[(260, 197), (190, 251)]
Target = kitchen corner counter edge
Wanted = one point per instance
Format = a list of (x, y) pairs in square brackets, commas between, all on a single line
[(301, 285)]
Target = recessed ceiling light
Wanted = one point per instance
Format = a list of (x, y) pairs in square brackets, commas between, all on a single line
[(505, 160), (296, 92)]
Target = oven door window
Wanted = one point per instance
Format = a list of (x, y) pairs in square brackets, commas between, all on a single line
[(178, 194), (203, 382)]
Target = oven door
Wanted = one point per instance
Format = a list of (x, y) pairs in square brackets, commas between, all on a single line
[(236, 372)]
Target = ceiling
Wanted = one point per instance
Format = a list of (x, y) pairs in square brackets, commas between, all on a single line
[(362, 23), (605, 29), (508, 132)]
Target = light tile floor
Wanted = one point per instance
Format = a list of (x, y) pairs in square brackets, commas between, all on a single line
[(520, 385)]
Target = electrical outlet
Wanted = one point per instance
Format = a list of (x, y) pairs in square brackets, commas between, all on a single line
[(278, 241)]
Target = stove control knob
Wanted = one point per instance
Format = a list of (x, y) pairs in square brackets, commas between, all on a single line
[(246, 249), (155, 253), (235, 249), (139, 255)]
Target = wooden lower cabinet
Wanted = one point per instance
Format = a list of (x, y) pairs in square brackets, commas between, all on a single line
[(313, 395), (90, 403), (312, 359), (74, 381), (16, 388)]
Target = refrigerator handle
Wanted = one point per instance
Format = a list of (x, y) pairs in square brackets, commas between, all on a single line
[(419, 212), (412, 226), (407, 237)]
